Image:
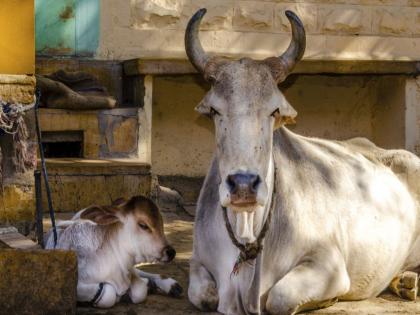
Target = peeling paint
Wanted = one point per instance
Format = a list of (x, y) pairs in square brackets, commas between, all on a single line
[(67, 13)]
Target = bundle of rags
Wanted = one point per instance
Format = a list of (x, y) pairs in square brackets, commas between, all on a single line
[(73, 90), (13, 123)]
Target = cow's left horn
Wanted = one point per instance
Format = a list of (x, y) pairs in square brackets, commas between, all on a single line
[(295, 50), (195, 51)]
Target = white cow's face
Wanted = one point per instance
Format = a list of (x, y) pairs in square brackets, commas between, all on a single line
[(137, 227), (246, 106)]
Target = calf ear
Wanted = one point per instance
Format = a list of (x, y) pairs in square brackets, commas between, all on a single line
[(100, 215), (119, 201)]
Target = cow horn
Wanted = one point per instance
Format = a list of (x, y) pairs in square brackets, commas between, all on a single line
[(195, 51), (283, 65), (297, 45)]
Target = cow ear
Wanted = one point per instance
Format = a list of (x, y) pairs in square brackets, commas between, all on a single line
[(287, 114), (100, 215)]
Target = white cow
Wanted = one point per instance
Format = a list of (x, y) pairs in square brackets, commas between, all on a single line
[(285, 222), (109, 241)]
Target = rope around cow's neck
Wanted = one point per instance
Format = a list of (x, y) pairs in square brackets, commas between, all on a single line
[(249, 251)]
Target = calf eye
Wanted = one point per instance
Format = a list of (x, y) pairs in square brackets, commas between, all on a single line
[(213, 112), (275, 113), (144, 226)]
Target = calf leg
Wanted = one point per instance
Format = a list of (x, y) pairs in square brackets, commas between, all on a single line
[(167, 285), (313, 284), (102, 295), (138, 287), (202, 290)]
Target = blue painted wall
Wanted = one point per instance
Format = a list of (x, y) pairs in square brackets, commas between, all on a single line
[(67, 27)]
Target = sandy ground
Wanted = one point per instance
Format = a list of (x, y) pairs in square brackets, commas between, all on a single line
[(179, 231)]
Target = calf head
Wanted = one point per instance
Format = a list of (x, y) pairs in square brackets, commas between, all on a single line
[(136, 225), (246, 106)]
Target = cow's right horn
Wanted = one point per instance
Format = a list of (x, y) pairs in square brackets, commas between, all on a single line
[(195, 51)]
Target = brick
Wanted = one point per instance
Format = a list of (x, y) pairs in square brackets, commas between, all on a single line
[(219, 16), (308, 13), (345, 19), (158, 13), (37, 282), (253, 16), (415, 25), (393, 20)]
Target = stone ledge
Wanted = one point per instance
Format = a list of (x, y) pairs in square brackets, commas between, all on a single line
[(37, 282), (143, 66)]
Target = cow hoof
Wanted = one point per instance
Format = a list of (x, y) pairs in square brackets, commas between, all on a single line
[(175, 291), (152, 287), (211, 300), (405, 285)]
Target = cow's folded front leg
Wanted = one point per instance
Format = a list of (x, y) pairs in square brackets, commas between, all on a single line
[(405, 285), (313, 284), (138, 288), (101, 294), (202, 291)]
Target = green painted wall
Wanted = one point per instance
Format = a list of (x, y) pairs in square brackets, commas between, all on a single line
[(67, 27)]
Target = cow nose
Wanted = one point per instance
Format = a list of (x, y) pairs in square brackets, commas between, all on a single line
[(243, 188), (169, 252)]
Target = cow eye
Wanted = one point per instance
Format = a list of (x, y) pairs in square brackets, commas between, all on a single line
[(275, 113), (144, 226), (213, 112)]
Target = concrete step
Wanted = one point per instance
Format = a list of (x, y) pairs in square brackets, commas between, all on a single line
[(11, 238)]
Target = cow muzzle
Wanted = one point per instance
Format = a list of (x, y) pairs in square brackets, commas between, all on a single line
[(243, 188)]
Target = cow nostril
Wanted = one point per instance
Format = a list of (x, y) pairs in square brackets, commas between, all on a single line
[(230, 181), (170, 252), (255, 183), (243, 182)]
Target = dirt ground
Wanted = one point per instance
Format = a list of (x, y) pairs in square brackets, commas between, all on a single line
[(179, 230)]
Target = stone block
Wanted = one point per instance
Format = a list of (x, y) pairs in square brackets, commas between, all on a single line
[(345, 19), (308, 13), (119, 133), (37, 282), (415, 25), (218, 16), (393, 20), (17, 88), (158, 13), (253, 16), (76, 184), (17, 203)]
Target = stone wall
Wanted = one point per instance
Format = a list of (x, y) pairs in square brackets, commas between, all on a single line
[(337, 29), (17, 201), (331, 107)]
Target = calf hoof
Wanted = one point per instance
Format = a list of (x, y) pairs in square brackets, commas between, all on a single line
[(405, 285), (175, 291)]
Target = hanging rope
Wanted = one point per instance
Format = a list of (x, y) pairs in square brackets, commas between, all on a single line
[(13, 123), (44, 168)]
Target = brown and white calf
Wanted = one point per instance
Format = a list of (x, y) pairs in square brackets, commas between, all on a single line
[(109, 242)]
